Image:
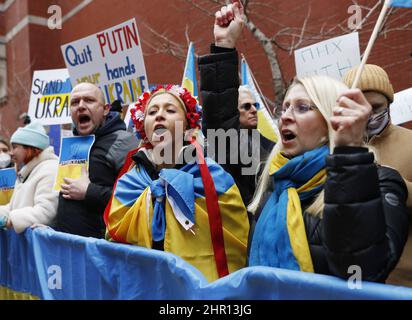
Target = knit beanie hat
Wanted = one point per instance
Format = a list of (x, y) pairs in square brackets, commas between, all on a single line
[(32, 135), (373, 78)]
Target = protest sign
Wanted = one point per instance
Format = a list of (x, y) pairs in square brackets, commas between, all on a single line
[(112, 60), (74, 155), (401, 107), (50, 97), (333, 57), (7, 182)]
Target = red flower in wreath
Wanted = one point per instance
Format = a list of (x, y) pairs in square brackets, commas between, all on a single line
[(193, 110)]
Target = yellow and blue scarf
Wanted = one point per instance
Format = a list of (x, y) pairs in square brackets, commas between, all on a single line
[(279, 239)]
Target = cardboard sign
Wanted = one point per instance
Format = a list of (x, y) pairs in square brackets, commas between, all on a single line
[(50, 97), (112, 60), (401, 107), (333, 57)]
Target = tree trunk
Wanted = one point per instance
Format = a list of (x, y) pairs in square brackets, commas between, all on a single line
[(277, 79)]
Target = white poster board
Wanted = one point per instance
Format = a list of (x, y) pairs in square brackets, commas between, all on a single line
[(401, 107), (112, 60), (333, 57), (49, 98)]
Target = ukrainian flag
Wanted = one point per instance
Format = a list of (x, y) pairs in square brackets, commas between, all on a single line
[(7, 182), (74, 155), (189, 77), (131, 215), (266, 125)]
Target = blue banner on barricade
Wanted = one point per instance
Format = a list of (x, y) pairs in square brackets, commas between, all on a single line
[(45, 264)]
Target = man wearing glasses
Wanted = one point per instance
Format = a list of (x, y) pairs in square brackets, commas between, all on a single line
[(247, 109), (392, 145)]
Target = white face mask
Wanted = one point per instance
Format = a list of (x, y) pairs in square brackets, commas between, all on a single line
[(377, 123), (5, 160)]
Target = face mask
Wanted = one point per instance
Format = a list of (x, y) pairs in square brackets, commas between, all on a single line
[(4, 160), (377, 123)]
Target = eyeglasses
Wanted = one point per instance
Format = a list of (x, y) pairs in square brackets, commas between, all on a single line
[(249, 105), (301, 108)]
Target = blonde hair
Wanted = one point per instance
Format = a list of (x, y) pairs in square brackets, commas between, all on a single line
[(323, 91)]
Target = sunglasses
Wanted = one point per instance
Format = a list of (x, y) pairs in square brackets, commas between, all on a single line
[(249, 105)]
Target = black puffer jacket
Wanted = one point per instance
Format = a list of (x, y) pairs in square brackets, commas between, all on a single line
[(219, 90), (365, 220), (85, 217)]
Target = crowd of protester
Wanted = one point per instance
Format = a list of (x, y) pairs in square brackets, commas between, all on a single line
[(334, 191)]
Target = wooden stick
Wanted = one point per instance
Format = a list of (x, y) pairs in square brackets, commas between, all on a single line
[(371, 42)]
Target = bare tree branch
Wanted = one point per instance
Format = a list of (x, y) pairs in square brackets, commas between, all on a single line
[(261, 14)]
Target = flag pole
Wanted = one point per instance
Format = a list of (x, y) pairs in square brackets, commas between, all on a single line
[(371, 42), (258, 88)]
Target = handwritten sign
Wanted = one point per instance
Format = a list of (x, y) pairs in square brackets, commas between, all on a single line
[(401, 107), (50, 95), (112, 60), (333, 57)]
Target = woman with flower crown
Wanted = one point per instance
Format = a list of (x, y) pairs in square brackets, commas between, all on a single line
[(170, 197)]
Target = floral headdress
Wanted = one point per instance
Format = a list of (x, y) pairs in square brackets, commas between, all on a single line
[(192, 108)]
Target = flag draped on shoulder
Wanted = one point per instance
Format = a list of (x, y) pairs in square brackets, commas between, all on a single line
[(174, 210), (266, 124)]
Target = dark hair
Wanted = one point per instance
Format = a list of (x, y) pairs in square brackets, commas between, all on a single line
[(5, 141), (116, 106)]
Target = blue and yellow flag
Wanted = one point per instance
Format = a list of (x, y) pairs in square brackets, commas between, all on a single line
[(401, 3), (54, 265), (74, 155), (174, 209), (189, 77), (7, 182), (266, 124)]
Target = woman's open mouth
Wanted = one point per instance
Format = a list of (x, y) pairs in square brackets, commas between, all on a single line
[(160, 130), (287, 136)]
